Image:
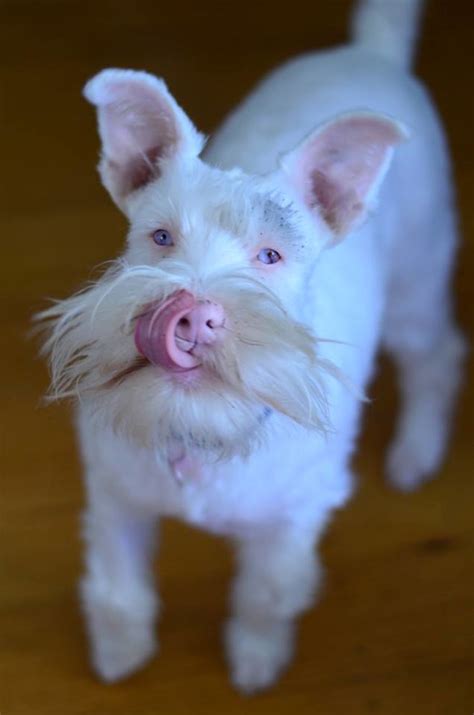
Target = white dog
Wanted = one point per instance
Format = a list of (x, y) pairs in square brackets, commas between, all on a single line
[(219, 364)]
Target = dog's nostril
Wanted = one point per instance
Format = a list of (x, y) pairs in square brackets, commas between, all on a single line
[(210, 324)]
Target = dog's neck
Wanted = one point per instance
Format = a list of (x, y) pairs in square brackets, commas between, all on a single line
[(186, 464)]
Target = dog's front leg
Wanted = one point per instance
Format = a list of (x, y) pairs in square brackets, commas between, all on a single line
[(277, 578), (119, 601)]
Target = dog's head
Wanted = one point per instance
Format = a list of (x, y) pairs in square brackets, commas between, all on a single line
[(204, 326)]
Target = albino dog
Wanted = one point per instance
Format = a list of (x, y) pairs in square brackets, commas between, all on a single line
[(219, 364)]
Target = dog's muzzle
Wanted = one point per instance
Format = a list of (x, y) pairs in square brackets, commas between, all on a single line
[(174, 333)]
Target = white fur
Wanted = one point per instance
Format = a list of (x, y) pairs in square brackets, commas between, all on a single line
[(388, 27), (302, 341)]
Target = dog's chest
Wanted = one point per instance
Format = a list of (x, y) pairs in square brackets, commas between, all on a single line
[(219, 498), (240, 497)]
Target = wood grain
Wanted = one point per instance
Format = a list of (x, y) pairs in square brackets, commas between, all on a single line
[(393, 633)]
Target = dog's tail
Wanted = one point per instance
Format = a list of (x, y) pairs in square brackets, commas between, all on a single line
[(388, 27)]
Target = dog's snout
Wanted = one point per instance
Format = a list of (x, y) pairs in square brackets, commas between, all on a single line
[(201, 324), (171, 333)]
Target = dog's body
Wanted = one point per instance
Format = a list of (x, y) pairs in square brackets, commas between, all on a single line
[(239, 459)]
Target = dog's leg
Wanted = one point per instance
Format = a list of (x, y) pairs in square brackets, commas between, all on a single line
[(119, 601), (428, 349), (277, 578), (429, 383)]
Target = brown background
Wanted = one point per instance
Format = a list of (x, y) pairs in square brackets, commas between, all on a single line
[(393, 634)]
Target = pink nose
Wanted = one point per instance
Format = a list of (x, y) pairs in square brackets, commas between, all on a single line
[(172, 333), (200, 325)]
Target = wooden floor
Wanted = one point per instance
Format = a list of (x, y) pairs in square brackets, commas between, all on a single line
[(394, 631)]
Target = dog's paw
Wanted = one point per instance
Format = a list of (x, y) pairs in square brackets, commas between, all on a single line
[(257, 657), (408, 466), (121, 627), (116, 658), (120, 644)]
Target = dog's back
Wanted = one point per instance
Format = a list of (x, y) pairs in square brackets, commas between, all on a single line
[(399, 262), (371, 72)]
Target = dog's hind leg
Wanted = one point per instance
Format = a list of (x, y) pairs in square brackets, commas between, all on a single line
[(428, 349)]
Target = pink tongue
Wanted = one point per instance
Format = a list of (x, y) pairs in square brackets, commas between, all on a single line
[(155, 333)]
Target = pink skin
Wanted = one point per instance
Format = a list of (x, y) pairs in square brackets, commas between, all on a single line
[(185, 468), (169, 332)]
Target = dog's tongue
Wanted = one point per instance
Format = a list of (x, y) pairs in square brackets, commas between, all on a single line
[(155, 333)]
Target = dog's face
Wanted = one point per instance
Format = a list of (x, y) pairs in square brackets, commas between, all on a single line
[(201, 328)]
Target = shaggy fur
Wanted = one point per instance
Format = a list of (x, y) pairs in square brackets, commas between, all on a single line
[(338, 163)]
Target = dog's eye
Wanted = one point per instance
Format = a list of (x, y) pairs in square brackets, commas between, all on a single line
[(268, 255), (162, 237)]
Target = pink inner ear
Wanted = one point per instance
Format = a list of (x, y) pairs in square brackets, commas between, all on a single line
[(137, 130), (140, 124), (135, 171), (342, 164), (142, 170)]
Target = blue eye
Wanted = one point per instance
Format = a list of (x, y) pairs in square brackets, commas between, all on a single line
[(162, 237), (268, 256)]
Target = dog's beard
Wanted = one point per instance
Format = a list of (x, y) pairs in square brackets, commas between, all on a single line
[(266, 360)]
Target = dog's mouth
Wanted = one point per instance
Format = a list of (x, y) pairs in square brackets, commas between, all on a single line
[(181, 376), (176, 333), (157, 336)]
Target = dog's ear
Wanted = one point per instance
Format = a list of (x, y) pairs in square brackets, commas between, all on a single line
[(339, 167), (140, 124)]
